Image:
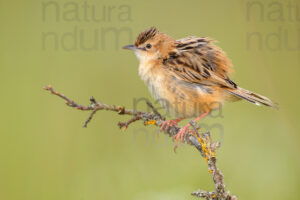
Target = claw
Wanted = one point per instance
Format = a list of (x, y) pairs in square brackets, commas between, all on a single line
[(181, 133), (167, 124), (184, 130)]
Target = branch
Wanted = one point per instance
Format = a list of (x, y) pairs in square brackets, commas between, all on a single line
[(201, 141)]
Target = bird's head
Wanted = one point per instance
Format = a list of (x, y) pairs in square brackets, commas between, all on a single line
[(152, 45)]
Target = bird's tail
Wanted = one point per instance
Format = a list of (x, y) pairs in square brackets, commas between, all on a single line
[(251, 97)]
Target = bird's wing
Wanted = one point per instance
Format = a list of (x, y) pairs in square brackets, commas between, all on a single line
[(198, 60)]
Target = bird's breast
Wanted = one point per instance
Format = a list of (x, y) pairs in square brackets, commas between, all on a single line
[(153, 78)]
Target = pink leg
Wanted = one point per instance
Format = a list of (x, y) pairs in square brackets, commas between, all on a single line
[(168, 123), (184, 130)]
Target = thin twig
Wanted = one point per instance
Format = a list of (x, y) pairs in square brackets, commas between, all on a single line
[(126, 124), (202, 142), (89, 118), (154, 110), (94, 106)]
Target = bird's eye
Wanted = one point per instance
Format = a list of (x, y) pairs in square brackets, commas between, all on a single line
[(148, 46)]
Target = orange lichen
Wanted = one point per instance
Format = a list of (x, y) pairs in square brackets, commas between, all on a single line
[(206, 147), (153, 122)]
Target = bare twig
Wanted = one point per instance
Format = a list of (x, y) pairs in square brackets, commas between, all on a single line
[(94, 106), (202, 142), (126, 124), (154, 110), (89, 118)]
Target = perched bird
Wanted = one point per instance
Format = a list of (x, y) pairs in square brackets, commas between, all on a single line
[(189, 76)]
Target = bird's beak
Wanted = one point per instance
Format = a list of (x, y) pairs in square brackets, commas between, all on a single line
[(130, 47)]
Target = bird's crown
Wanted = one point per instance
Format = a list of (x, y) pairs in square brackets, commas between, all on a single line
[(146, 35)]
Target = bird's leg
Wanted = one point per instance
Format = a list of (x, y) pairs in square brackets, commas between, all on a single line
[(184, 130), (168, 123)]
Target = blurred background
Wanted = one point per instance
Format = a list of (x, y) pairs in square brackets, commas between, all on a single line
[(75, 46)]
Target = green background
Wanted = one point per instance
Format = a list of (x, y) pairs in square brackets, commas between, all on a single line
[(45, 154)]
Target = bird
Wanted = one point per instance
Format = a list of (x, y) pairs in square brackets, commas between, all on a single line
[(188, 76)]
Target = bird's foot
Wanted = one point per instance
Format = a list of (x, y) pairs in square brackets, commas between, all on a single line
[(180, 135), (168, 123), (184, 130)]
